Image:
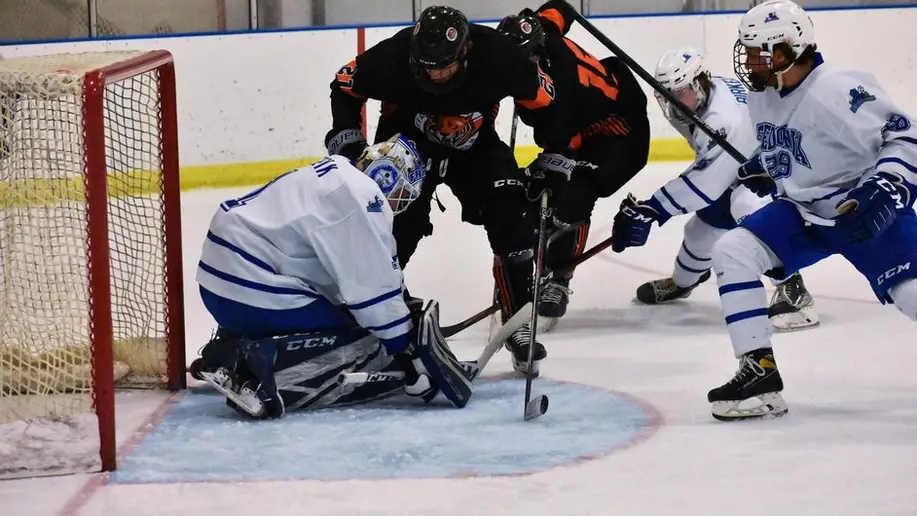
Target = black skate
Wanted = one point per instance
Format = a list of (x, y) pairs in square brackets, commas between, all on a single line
[(665, 290), (792, 307), (220, 351), (757, 379), (518, 345), (552, 304)]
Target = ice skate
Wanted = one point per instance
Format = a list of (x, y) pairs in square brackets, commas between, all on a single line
[(552, 304), (518, 346), (792, 307), (754, 391), (665, 290)]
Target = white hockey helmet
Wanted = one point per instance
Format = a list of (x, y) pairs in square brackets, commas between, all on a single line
[(678, 71), (765, 26), (397, 168)]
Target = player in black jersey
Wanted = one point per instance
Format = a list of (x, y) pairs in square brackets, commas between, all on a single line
[(440, 83), (607, 128)]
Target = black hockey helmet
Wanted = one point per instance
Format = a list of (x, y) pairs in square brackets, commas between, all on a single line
[(525, 29), (439, 40)]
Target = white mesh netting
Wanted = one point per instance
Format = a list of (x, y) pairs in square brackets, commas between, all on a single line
[(46, 341)]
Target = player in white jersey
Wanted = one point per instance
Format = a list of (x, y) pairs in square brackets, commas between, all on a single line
[(709, 189), (842, 160), (302, 278)]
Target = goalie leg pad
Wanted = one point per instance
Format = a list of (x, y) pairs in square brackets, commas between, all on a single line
[(435, 359)]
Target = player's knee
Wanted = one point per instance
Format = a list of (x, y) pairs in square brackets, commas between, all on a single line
[(740, 251), (904, 295), (507, 228)]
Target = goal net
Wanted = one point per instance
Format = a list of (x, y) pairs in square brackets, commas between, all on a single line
[(90, 256)]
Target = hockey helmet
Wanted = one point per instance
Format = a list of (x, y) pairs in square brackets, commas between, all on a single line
[(764, 27), (396, 166), (525, 29), (439, 41), (679, 72)]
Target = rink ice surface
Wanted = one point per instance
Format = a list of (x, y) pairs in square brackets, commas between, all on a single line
[(848, 445)]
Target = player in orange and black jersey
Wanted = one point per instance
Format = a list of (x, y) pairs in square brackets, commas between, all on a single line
[(440, 83), (608, 129)]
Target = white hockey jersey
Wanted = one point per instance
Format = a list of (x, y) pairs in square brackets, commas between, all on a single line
[(319, 231), (713, 172), (830, 133)]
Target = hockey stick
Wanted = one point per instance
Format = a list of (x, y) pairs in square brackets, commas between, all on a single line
[(538, 406), (474, 367), (616, 50)]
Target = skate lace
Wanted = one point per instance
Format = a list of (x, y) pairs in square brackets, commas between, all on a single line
[(789, 291), (554, 292), (747, 366), (523, 335)]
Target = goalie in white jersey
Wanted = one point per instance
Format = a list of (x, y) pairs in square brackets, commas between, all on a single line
[(709, 189), (842, 161), (302, 278)]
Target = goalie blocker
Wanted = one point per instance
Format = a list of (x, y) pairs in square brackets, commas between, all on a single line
[(267, 377)]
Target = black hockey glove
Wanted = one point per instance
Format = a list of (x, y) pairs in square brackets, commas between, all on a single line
[(632, 224), (871, 208), (550, 172), (754, 176), (348, 143)]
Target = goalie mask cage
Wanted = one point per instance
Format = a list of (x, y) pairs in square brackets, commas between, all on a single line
[(90, 252)]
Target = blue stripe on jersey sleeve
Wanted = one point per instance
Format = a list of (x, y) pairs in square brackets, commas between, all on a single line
[(672, 200), (696, 190)]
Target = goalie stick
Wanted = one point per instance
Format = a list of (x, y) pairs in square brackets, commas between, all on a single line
[(473, 367)]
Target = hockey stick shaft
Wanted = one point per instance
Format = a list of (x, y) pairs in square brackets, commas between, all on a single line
[(669, 96), (531, 412)]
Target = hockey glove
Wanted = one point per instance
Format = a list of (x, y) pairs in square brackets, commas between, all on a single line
[(348, 143), (550, 171), (755, 177), (632, 224), (871, 208)]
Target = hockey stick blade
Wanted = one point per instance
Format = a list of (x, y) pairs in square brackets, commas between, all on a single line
[(449, 331), (536, 407), (515, 322)]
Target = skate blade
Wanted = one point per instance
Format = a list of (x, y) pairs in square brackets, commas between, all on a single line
[(536, 407), (770, 406), (795, 321), (246, 404), (546, 324)]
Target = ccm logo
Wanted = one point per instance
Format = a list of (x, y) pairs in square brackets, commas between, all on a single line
[(636, 215), (891, 273), (508, 182)]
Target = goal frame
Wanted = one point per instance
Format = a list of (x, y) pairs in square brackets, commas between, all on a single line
[(95, 182)]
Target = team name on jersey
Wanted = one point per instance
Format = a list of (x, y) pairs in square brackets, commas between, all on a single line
[(782, 137)]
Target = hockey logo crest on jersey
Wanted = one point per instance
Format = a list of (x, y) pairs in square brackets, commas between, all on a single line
[(858, 97), (375, 205), (453, 131)]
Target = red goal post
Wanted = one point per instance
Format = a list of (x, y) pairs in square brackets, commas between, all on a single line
[(90, 250)]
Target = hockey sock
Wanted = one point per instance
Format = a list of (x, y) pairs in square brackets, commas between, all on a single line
[(739, 260), (513, 275), (689, 266), (566, 247)]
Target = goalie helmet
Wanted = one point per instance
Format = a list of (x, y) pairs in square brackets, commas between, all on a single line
[(764, 27), (525, 29), (679, 71), (397, 168)]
